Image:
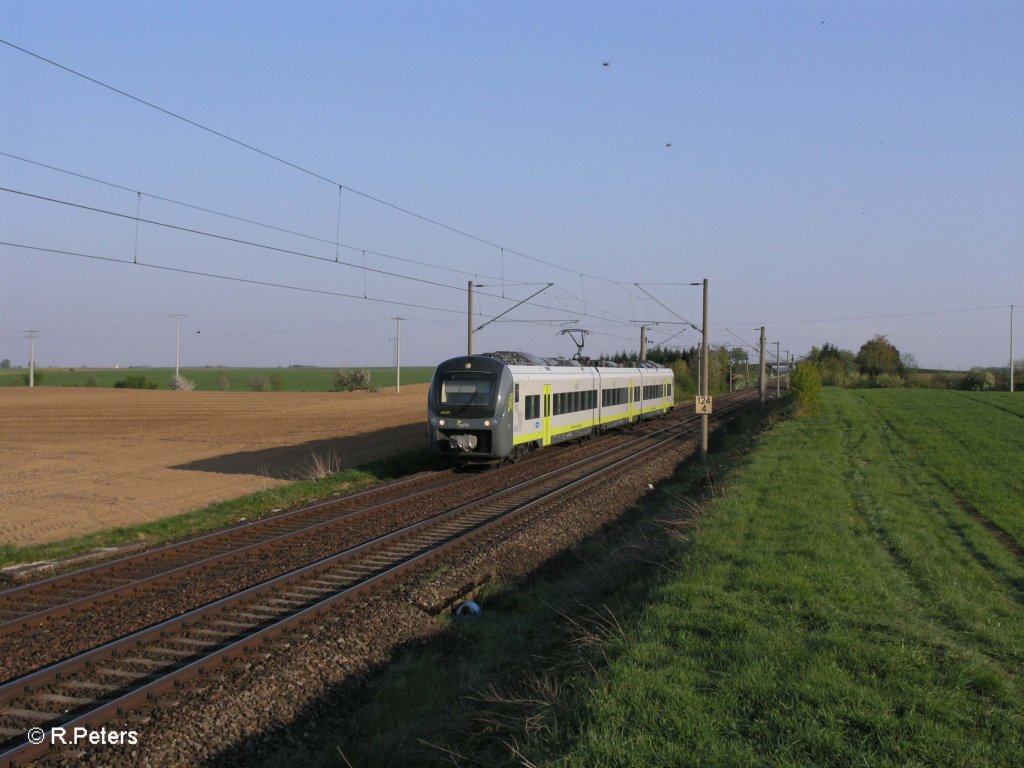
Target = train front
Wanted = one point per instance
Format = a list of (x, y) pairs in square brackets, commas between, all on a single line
[(469, 409)]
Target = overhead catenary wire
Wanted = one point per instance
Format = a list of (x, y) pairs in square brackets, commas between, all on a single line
[(242, 219), (249, 243), (249, 281), (296, 166)]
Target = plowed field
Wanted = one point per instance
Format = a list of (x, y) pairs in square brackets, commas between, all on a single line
[(74, 461)]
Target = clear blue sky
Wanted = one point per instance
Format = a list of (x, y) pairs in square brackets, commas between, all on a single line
[(836, 170)]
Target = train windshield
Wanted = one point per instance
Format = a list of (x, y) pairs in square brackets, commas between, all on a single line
[(466, 388)]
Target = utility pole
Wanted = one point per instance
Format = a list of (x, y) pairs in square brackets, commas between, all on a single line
[(177, 342), (778, 372), (398, 355), (469, 322), (704, 378), (32, 358), (643, 343), (762, 383), (1011, 349), (787, 369)]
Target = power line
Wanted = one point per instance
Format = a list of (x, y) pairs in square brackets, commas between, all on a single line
[(226, 238), (668, 308), (882, 317), (239, 241), (296, 166), (248, 281), (244, 220)]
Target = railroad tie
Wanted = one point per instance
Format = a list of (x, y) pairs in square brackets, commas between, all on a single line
[(28, 714), (59, 699)]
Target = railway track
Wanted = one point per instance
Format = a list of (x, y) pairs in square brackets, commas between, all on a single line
[(92, 687), (28, 604)]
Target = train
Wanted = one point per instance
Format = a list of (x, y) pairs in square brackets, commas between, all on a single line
[(497, 406)]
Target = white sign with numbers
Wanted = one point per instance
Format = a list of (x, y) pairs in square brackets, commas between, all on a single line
[(703, 404)]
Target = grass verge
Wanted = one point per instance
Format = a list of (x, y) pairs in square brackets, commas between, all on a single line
[(225, 513), (480, 690)]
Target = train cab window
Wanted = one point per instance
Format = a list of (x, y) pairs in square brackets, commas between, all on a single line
[(467, 389)]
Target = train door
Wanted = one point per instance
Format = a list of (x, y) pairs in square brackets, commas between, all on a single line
[(630, 398), (546, 416)]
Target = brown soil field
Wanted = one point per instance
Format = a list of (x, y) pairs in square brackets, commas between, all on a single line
[(75, 461)]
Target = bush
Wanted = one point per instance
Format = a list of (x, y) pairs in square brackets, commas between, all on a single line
[(978, 380), (276, 382), (888, 381), (92, 381), (258, 383), (223, 382), (37, 378), (351, 379), (181, 384), (136, 381), (805, 387)]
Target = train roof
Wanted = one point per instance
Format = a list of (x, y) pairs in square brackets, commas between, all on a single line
[(528, 358)]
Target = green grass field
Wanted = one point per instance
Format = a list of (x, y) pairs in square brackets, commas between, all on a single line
[(845, 603), (852, 594), (292, 379)]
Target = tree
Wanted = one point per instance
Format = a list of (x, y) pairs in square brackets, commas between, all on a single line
[(879, 356), (827, 352), (5, 363), (836, 366)]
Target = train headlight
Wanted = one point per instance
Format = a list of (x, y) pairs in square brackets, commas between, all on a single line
[(440, 422), (487, 423)]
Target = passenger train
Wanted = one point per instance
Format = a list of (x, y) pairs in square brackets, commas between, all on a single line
[(500, 405)]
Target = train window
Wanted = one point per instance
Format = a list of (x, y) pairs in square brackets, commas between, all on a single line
[(517, 393), (654, 391), (466, 389), (532, 406)]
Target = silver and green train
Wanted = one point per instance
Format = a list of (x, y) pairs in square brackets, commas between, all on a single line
[(500, 405)]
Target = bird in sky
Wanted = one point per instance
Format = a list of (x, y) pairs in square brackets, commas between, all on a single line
[(606, 63)]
